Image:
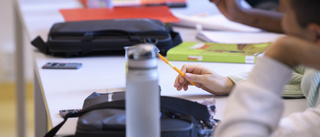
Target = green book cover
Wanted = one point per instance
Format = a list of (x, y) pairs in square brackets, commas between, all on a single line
[(216, 52)]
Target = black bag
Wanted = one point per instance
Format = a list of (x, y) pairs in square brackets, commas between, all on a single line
[(101, 118), (106, 36)]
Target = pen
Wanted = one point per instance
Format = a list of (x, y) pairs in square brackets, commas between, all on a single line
[(175, 68)]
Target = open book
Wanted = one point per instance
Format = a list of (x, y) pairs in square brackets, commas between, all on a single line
[(216, 52)]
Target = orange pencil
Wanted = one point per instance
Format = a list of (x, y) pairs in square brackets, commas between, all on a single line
[(175, 68)]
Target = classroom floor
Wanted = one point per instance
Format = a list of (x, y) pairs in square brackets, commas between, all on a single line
[(8, 110)]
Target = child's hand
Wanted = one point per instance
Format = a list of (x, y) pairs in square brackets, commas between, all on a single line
[(204, 79), (293, 51), (231, 9), (263, 19)]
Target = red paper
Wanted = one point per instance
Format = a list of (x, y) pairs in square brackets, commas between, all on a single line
[(146, 2), (162, 13)]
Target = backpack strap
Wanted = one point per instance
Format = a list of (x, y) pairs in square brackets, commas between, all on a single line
[(40, 45), (176, 38)]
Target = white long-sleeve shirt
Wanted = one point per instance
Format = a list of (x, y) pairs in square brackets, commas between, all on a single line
[(255, 106)]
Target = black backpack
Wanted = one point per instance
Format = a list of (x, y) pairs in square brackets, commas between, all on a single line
[(101, 118), (106, 37)]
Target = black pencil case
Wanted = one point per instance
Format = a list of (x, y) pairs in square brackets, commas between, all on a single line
[(106, 36)]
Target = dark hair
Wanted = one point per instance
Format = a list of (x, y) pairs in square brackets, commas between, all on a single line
[(307, 11)]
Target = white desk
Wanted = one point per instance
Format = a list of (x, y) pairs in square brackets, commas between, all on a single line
[(66, 89)]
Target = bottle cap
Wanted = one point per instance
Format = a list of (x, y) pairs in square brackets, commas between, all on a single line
[(142, 56)]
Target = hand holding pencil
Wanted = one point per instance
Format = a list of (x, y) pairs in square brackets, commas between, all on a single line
[(175, 68), (206, 79)]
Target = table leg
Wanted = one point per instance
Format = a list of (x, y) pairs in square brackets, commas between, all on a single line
[(20, 83), (40, 114)]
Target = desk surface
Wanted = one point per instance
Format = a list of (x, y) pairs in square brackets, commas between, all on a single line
[(66, 89)]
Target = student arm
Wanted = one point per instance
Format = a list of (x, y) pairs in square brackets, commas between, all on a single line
[(255, 106), (267, 20)]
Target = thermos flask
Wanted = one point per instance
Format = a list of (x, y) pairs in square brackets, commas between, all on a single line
[(142, 91)]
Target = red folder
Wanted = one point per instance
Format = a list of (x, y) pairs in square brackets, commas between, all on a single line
[(162, 13)]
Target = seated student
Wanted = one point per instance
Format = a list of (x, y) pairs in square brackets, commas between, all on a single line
[(297, 87), (256, 101), (255, 106), (271, 20)]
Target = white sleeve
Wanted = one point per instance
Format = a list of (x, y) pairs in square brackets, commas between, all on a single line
[(300, 124), (255, 106)]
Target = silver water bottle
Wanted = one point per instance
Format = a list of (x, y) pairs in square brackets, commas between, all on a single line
[(142, 91)]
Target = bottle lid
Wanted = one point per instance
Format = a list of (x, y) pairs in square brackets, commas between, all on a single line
[(142, 51), (142, 55)]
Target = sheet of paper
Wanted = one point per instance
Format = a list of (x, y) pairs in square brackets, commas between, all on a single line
[(126, 2), (212, 22), (237, 37), (210, 18)]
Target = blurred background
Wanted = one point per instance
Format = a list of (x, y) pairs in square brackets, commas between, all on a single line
[(7, 74)]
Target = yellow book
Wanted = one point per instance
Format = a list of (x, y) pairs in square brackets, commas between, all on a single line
[(217, 52)]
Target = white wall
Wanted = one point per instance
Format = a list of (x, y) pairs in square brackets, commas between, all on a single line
[(7, 47)]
